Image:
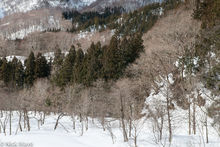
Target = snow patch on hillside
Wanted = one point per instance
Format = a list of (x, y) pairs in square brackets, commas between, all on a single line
[(23, 29), (13, 6), (18, 5), (11, 57), (49, 56), (24, 32), (20, 58), (84, 35)]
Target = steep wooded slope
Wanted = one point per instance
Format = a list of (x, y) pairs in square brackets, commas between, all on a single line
[(172, 31)]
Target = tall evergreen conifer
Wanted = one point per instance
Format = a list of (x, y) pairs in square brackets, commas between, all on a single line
[(113, 60), (5, 71), (42, 68), (78, 72), (30, 70)]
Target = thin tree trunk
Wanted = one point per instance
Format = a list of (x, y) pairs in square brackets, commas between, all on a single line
[(28, 121), (10, 122), (189, 112), (122, 121), (44, 115), (207, 133), (92, 111), (74, 122), (87, 123), (24, 119), (19, 121), (135, 138), (80, 117), (161, 128), (103, 122), (57, 121), (130, 121), (169, 120), (82, 128), (194, 116), (40, 122)]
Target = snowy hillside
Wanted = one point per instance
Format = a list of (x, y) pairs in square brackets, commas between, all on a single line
[(129, 5), (13, 6), (41, 15), (19, 25)]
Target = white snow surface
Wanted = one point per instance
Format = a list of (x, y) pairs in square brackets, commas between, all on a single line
[(66, 136), (20, 58)]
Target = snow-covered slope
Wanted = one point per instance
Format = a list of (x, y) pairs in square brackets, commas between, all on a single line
[(18, 18), (17, 26), (13, 6), (129, 5)]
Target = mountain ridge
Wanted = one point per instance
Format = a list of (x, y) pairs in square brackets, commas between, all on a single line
[(8, 7)]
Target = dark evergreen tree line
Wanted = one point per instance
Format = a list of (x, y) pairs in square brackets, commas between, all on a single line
[(84, 20), (143, 19), (53, 30), (16, 75), (99, 62), (138, 21)]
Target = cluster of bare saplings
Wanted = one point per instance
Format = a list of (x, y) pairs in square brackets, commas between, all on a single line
[(122, 101)]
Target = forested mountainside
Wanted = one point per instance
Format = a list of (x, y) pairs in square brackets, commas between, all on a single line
[(13, 6), (107, 62), (33, 24), (151, 79)]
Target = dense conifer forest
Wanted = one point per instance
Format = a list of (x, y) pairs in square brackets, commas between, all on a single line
[(99, 62), (116, 18)]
